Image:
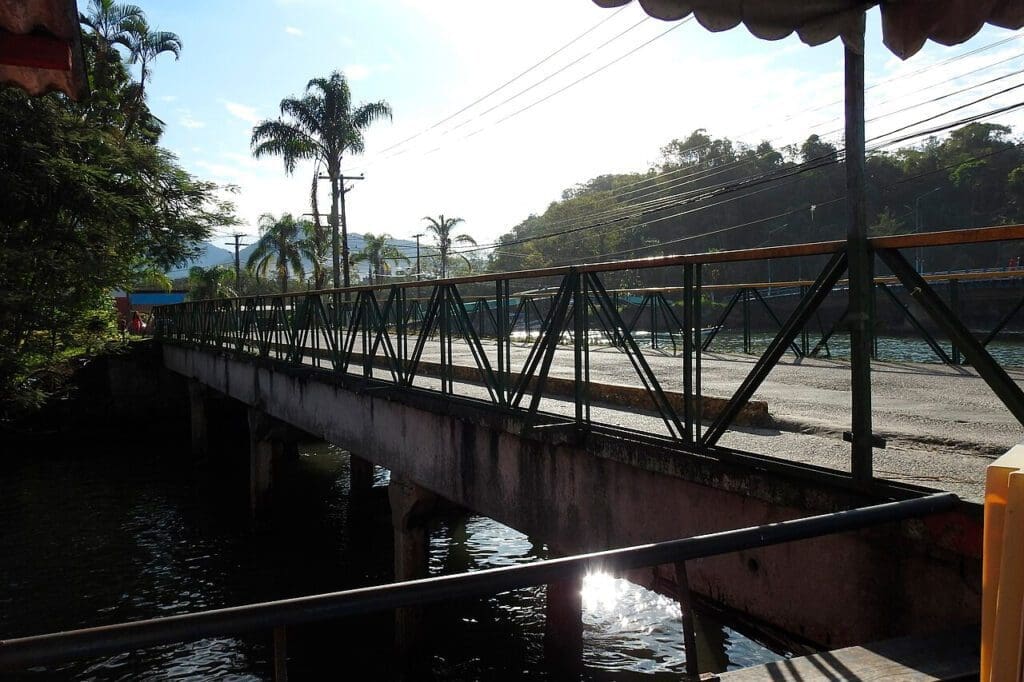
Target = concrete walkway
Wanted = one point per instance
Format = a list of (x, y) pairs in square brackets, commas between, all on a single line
[(942, 424)]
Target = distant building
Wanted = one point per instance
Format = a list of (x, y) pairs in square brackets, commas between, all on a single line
[(144, 301)]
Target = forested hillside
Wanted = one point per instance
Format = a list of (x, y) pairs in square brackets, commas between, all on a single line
[(715, 193)]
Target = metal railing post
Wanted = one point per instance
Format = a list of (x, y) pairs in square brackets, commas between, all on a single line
[(746, 321), (581, 359), (280, 654), (804, 338), (688, 417), (698, 325), (954, 305), (686, 613)]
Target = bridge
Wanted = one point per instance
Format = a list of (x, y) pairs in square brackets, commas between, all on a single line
[(550, 413), (534, 399)]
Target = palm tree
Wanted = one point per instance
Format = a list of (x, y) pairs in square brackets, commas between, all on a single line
[(322, 126), (110, 22), (280, 242), (376, 251), (212, 282), (144, 46), (441, 228)]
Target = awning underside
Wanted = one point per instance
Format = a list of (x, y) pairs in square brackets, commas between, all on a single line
[(40, 47), (906, 24)]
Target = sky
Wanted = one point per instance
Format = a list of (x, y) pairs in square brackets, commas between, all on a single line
[(621, 86)]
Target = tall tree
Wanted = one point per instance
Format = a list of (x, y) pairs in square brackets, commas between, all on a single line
[(377, 252), (441, 228), (322, 125), (145, 45), (85, 210), (280, 244), (111, 22)]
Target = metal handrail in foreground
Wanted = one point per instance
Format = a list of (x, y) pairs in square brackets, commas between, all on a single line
[(110, 639)]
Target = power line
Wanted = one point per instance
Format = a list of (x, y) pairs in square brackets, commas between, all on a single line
[(550, 95), (793, 171), (704, 173), (508, 82), (550, 76), (677, 25)]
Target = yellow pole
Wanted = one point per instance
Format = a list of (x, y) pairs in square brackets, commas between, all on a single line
[(997, 494)]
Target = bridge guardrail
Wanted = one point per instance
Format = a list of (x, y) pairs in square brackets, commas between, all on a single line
[(512, 336)]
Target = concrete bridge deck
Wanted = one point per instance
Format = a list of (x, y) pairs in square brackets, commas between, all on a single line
[(942, 423)]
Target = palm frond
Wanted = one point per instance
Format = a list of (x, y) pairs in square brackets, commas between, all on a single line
[(370, 112), (278, 138)]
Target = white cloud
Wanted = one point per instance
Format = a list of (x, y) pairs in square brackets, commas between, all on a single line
[(357, 72), (168, 98), (241, 111), (292, 31), (188, 120)]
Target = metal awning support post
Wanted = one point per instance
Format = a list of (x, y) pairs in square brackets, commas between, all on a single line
[(860, 263), (689, 632)]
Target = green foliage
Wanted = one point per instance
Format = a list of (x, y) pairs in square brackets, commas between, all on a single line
[(90, 205), (443, 231), (707, 193), (377, 252), (281, 245), (216, 281)]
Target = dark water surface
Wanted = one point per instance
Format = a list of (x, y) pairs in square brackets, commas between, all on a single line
[(111, 534)]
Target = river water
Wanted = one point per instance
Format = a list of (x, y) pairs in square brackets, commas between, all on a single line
[(105, 534)]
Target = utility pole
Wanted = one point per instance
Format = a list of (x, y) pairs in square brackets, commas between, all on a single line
[(238, 265), (918, 260), (340, 257), (417, 238)]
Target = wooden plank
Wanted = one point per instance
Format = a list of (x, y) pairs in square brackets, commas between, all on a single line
[(947, 656)]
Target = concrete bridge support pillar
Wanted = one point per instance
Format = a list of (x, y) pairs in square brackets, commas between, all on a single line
[(360, 475), (199, 423), (267, 445), (411, 507), (563, 626)]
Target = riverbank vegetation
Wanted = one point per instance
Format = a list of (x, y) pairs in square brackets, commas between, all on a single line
[(92, 202)]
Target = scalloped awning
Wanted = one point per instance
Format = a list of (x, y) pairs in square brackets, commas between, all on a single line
[(906, 24), (41, 47)]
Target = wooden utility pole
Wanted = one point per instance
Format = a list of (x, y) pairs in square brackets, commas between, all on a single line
[(340, 256), (238, 245), (417, 238)]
